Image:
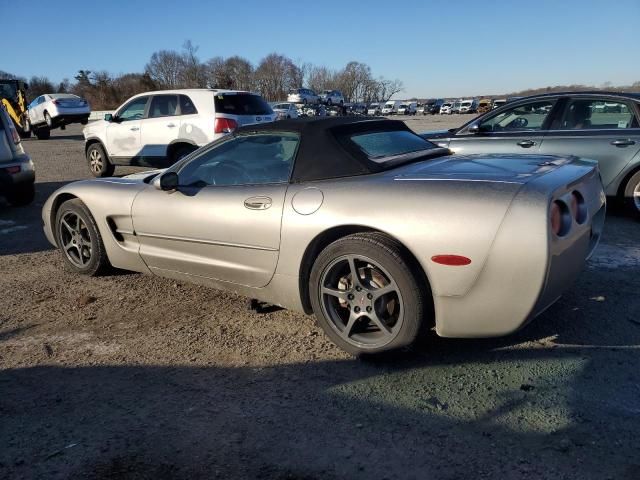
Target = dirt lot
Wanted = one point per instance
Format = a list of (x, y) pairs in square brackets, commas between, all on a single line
[(130, 376)]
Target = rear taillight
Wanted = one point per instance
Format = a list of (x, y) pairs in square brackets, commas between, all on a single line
[(578, 208), (225, 125), (559, 218), (55, 102), (13, 170)]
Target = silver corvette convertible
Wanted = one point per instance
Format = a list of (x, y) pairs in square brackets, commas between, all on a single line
[(370, 227)]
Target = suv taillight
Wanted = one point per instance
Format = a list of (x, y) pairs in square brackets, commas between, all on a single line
[(225, 125)]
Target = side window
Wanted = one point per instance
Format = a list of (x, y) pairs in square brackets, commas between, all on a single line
[(246, 160), (134, 110), (597, 114), (526, 117), (40, 99), (163, 106), (186, 106)]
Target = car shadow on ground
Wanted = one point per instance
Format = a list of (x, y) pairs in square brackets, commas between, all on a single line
[(56, 136), (21, 227)]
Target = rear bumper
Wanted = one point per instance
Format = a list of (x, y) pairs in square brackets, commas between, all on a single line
[(67, 118), (527, 269), (14, 181)]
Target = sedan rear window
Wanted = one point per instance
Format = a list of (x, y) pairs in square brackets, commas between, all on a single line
[(242, 104), (380, 146)]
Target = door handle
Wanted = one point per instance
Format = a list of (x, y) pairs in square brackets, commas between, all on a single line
[(257, 203), (134, 129), (622, 142), (526, 143), (171, 125)]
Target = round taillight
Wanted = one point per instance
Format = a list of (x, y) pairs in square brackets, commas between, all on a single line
[(559, 218), (578, 209)]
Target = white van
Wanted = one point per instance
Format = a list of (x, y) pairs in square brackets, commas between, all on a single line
[(407, 108), (468, 105), (391, 107)]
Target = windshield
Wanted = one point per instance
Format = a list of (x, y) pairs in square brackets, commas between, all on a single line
[(242, 104), (387, 145), (466, 104), (446, 104)]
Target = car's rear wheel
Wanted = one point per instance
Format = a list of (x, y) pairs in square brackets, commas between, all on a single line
[(79, 239), (366, 295), (22, 195), (632, 194), (42, 133), (99, 163)]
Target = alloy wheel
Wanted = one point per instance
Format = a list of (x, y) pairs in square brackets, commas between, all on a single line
[(362, 301), (75, 239), (636, 196), (95, 161)]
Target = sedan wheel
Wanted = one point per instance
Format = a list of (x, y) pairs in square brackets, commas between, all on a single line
[(366, 296), (78, 238)]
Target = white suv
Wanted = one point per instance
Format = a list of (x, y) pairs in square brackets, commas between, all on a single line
[(332, 97), (159, 128)]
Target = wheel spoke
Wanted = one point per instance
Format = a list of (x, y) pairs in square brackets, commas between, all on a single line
[(341, 294), (346, 332), (379, 292), (373, 316), (67, 226), (355, 278)]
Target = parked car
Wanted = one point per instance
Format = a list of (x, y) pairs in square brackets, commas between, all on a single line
[(468, 106), (572, 123), (17, 174), (303, 96), (284, 110), (374, 109), (159, 128), (373, 280), (485, 105), (433, 106), (53, 110), (499, 102), (445, 108), (391, 107), (332, 97), (455, 107), (408, 108)]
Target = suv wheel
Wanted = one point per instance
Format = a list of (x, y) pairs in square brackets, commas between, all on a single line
[(99, 163), (42, 133), (23, 195)]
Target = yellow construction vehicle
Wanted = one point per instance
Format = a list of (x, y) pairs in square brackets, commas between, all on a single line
[(13, 95)]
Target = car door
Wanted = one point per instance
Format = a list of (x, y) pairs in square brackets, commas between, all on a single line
[(223, 222), (518, 128), (123, 132), (600, 128), (160, 127), (32, 110)]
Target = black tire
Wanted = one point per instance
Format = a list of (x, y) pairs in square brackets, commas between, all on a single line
[(632, 195), (383, 258), (180, 152), (22, 195), (93, 260), (84, 122), (98, 161), (42, 133)]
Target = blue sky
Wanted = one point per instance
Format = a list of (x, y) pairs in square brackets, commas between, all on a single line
[(437, 48)]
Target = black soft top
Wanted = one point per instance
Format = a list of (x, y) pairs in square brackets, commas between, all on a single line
[(323, 152)]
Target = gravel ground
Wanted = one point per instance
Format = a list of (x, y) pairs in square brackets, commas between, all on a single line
[(136, 377)]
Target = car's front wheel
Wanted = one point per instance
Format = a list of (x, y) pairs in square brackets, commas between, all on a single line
[(632, 194), (366, 296), (42, 133), (79, 240), (99, 163), (48, 120)]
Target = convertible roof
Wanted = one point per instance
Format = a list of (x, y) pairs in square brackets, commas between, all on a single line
[(321, 153)]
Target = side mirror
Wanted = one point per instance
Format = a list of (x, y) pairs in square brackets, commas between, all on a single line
[(473, 128), (108, 117), (168, 181)]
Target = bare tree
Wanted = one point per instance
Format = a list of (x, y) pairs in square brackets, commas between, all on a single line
[(388, 88), (240, 72), (276, 75), (165, 69), (39, 86), (192, 72)]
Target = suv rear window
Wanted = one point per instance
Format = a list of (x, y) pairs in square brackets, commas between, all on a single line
[(242, 104)]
